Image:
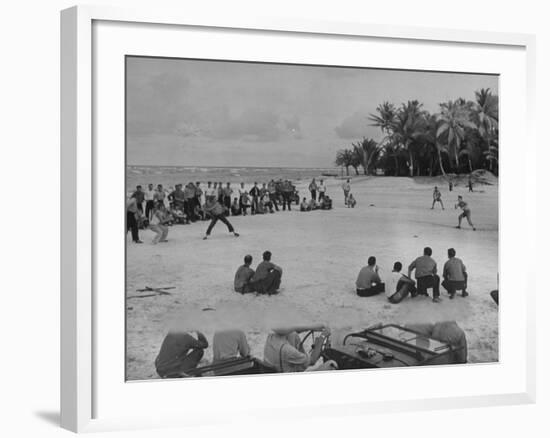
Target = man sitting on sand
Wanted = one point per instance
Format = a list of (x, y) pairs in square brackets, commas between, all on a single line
[(243, 276), (284, 352), (398, 286), (351, 201), (368, 281), (229, 344), (267, 278), (180, 352), (304, 205), (426, 274), (454, 275), (326, 203), (266, 202)]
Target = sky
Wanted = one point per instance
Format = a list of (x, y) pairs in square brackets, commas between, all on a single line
[(216, 113)]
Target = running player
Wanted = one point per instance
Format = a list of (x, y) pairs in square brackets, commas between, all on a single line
[(466, 213), (437, 198)]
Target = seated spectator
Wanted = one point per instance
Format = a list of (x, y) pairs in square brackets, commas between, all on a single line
[(398, 286), (266, 203), (180, 352), (178, 214), (326, 203), (229, 344), (267, 278), (243, 276), (235, 207), (368, 282), (454, 275), (284, 352), (304, 205), (351, 201)]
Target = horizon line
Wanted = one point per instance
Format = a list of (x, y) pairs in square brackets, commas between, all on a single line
[(233, 167)]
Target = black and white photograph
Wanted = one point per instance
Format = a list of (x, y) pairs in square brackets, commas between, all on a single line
[(285, 218)]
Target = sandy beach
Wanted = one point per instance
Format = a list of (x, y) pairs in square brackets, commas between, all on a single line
[(321, 253)]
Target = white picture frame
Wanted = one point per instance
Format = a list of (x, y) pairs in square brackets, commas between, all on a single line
[(83, 369)]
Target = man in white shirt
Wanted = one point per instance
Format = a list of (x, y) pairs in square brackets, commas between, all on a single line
[(398, 286), (210, 192), (243, 195), (149, 201), (322, 188)]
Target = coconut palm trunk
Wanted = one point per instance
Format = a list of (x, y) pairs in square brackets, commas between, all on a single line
[(440, 162), (411, 163)]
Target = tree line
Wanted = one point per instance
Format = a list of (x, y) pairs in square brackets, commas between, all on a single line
[(461, 137)]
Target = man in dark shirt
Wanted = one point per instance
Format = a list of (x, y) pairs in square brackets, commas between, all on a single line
[(267, 278), (272, 189), (132, 215), (243, 276), (426, 274), (180, 352), (217, 213), (177, 197), (139, 196), (255, 194), (287, 191)]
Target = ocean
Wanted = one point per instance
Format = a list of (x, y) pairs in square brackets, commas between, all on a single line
[(169, 176)]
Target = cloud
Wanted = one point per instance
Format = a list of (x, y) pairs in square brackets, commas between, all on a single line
[(252, 125), (354, 126), (157, 104)]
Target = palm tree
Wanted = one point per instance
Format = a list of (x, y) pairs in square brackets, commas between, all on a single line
[(454, 119), (492, 154), (385, 118), (385, 121), (432, 138), (368, 150), (356, 159), (344, 157), (486, 118), (409, 124)]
